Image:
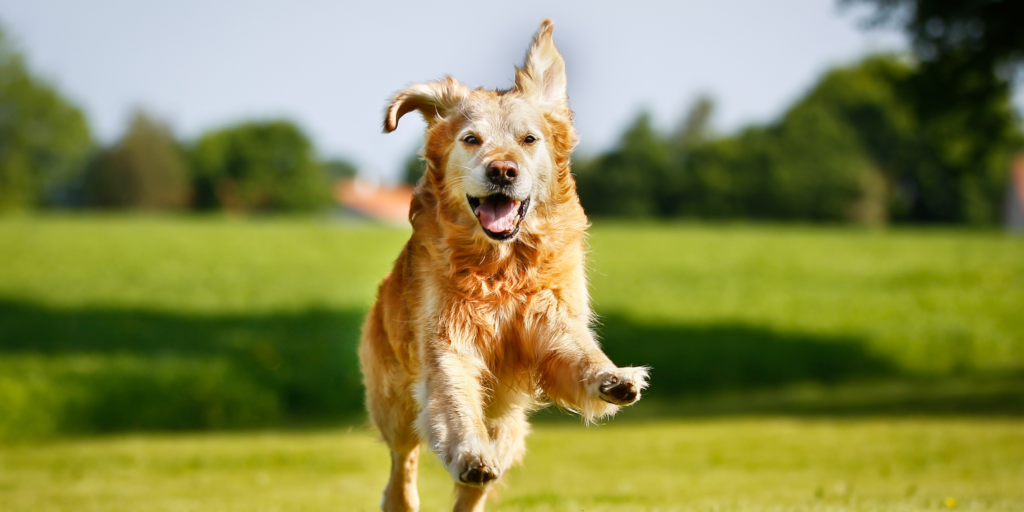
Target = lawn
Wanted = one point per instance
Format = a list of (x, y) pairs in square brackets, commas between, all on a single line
[(794, 368), (917, 300), (159, 323), (740, 465)]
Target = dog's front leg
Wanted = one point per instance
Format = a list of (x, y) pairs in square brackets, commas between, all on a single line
[(575, 373), (453, 414)]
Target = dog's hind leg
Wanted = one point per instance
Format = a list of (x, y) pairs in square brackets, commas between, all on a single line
[(470, 499), (393, 410), (394, 415), (401, 495)]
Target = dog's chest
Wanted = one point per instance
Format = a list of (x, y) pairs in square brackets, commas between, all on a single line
[(514, 316)]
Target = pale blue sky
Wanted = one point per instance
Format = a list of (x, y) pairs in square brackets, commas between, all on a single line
[(331, 66)]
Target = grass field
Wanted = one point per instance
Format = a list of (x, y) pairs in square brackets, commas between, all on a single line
[(735, 465), (795, 368), (112, 324)]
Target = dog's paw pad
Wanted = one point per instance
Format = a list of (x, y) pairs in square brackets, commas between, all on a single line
[(622, 387), (478, 474)]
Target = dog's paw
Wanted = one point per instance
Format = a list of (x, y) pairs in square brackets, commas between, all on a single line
[(468, 467), (478, 473), (621, 386)]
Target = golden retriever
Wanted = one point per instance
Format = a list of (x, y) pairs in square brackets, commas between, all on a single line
[(486, 315)]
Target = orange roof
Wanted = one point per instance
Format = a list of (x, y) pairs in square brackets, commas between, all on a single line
[(384, 203)]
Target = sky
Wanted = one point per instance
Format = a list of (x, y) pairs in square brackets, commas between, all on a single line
[(331, 66)]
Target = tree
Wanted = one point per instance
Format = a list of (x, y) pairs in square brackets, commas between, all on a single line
[(695, 127), (808, 166), (865, 144), (624, 182), (943, 163), (144, 170), (674, 196), (970, 52), (339, 169), (44, 138), (869, 99), (820, 170), (983, 34), (259, 166)]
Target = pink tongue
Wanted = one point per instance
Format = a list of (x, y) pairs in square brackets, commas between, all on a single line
[(497, 215)]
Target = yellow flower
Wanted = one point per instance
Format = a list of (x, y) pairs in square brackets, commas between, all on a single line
[(951, 502)]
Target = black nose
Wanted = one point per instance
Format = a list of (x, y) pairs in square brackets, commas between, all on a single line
[(502, 172)]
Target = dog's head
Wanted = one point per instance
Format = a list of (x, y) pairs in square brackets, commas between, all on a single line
[(496, 158)]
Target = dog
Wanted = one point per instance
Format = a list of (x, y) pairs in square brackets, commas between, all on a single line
[(486, 315)]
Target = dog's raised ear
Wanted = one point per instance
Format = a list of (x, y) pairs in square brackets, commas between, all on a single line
[(543, 74), (432, 99)]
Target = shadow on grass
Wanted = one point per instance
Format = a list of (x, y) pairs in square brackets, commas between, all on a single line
[(694, 359), (100, 370), (104, 370), (716, 370)]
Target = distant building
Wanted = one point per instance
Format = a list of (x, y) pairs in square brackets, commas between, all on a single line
[(388, 204), (1015, 197)]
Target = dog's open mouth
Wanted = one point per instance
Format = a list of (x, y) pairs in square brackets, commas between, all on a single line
[(499, 215)]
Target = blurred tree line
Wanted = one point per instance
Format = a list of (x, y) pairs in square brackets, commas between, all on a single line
[(927, 138), (254, 166), (862, 145), (44, 139), (48, 158)]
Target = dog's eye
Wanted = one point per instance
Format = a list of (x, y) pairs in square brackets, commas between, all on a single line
[(529, 139), (471, 140)]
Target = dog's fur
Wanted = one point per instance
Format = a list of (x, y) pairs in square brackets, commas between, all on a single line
[(473, 329)]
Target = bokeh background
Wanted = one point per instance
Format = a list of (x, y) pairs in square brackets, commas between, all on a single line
[(807, 220)]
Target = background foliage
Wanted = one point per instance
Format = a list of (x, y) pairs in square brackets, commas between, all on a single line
[(144, 170), (44, 138), (858, 147), (919, 138), (258, 166)]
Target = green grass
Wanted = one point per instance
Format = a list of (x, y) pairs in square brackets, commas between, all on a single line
[(213, 323), (193, 266), (735, 465), (834, 369), (926, 300), (112, 323)]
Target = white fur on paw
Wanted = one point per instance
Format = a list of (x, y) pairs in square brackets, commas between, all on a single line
[(468, 467), (620, 386)]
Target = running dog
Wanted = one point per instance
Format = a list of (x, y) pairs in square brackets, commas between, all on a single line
[(486, 315)]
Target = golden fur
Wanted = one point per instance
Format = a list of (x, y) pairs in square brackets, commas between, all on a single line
[(470, 334)]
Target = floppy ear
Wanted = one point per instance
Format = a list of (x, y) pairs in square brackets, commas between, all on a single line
[(432, 99), (543, 74)]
